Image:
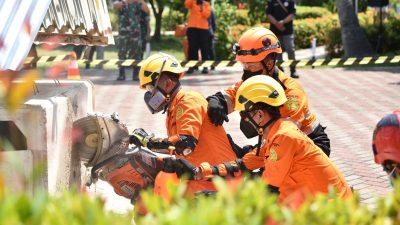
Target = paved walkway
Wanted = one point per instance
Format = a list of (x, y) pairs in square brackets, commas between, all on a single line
[(348, 101)]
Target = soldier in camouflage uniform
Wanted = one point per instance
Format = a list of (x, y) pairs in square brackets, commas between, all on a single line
[(145, 29), (130, 42)]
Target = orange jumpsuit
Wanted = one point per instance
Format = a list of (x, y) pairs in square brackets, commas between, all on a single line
[(295, 108), (187, 115), (294, 163)]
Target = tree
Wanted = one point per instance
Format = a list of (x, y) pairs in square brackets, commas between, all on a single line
[(158, 8), (355, 42)]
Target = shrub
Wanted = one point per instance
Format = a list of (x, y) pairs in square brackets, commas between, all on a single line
[(242, 17), (303, 12), (251, 204), (171, 19), (245, 203), (392, 35), (113, 19), (256, 12), (225, 17), (334, 46), (67, 208), (390, 45), (306, 29)]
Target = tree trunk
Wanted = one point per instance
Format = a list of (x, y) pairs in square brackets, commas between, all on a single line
[(355, 42), (157, 30), (157, 11)]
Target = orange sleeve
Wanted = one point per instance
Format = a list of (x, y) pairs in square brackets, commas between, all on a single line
[(206, 10), (189, 122), (295, 106), (230, 95), (251, 161), (279, 161), (189, 4)]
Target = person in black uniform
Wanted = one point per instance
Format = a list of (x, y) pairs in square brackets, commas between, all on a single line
[(281, 14)]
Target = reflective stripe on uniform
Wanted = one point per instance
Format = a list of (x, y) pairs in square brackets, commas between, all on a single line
[(307, 115), (312, 128)]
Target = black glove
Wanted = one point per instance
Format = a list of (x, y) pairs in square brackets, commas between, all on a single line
[(179, 166), (139, 137), (240, 152), (217, 109)]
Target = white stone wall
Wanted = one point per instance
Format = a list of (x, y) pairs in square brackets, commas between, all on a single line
[(46, 121)]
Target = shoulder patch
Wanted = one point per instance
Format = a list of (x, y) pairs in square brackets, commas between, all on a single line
[(179, 112), (292, 104), (272, 155)]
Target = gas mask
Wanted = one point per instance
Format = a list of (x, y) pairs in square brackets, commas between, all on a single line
[(155, 99), (247, 129), (251, 128)]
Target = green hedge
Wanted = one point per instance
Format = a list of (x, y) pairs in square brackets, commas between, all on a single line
[(327, 31), (171, 19), (391, 34), (242, 17), (305, 29), (250, 204), (225, 17), (319, 28), (303, 12), (67, 208), (113, 18), (390, 45)]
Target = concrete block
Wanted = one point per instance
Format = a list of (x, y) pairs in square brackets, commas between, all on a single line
[(16, 167), (46, 121)]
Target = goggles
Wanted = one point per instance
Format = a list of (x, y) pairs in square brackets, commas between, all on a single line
[(252, 66)]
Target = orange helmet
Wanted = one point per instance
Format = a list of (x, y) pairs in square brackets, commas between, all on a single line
[(255, 44), (386, 139)]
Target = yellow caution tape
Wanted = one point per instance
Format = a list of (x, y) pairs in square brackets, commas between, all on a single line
[(45, 61)]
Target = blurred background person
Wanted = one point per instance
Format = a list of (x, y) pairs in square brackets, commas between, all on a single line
[(145, 29), (198, 31), (129, 33), (212, 28), (280, 14), (89, 53)]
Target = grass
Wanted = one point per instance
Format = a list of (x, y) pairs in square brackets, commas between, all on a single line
[(168, 44)]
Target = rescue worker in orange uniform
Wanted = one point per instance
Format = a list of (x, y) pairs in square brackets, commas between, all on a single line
[(189, 129), (386, 144), (257, 50), (292, 161)]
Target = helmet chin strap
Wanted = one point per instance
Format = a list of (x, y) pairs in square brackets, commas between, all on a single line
[(269, 71), (169, 96)]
